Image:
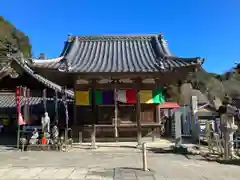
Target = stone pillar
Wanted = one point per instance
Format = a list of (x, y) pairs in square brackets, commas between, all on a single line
[(195, 127), (178, 129)]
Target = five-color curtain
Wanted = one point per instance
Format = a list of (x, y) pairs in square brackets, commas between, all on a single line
[(128, 96)]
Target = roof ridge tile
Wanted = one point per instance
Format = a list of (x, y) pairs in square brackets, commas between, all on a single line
[(113, 37)]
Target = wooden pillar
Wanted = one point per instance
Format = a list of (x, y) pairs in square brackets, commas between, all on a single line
[(74, 105), (56, 108), (94, 106), (45, 100), (28, 105), (18, 107), (158, 113), (94, 117), (64, 100), (115, 115), (138, 111)]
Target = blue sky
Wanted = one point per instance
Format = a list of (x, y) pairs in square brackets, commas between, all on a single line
[(205, 28)]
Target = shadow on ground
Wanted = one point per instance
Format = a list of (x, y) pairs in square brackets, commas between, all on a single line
[(200, 156), (8, 142), (172, 150), (230, 162), (122, 173), (88, 146)]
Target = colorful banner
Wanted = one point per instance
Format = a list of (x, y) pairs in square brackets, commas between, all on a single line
[(104, 97), (83, 98), (152, 97), (18, 106), (127, 96)]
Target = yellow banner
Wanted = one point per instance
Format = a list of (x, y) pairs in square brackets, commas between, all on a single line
[(82, 98), (145, 97)]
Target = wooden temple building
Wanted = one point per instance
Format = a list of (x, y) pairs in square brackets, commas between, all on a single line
[(116, 82)]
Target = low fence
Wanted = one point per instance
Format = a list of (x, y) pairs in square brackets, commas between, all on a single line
[(124, 132)]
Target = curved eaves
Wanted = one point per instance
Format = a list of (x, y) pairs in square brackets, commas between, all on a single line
[(165, 51), (158, 47), (53, 63), (45, 61), (72, 51), (43, 80), (67, 46), (164, 46)]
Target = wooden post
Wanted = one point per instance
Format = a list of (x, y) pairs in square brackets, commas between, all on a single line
[(94, 121), (25, 104), (28, 105), (75, 106), (45, 100), (115, 115), (144, 156), (18, 107), (56, 107), (138, 110), (64, 99)]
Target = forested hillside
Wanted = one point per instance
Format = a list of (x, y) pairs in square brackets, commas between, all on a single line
[(206, 86), (10, 35)]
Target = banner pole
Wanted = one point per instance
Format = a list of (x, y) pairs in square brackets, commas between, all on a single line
[(18, 92), (115, 115)]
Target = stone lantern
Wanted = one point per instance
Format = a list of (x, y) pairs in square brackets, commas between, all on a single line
[(227, 126)]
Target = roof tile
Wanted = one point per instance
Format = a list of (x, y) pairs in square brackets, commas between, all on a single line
[(7, 100)]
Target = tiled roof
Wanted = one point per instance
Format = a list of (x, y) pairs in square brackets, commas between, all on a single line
[(143, 53), (50, 63), (5, 71), (7, 100), (20, 61)]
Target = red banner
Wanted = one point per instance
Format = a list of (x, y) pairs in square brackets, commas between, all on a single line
[(18, 106)]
